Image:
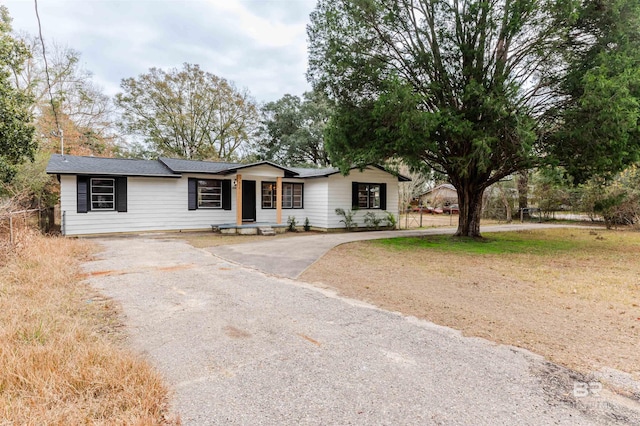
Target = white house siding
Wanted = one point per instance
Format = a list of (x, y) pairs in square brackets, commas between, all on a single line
[(161, 204), (314, 203), (316, 193), (339, 191), (153, 204)]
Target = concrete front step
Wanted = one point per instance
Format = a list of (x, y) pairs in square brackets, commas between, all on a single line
[(267, 231)]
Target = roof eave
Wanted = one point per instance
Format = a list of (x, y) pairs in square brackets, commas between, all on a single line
[(84, 173), (401, 178)]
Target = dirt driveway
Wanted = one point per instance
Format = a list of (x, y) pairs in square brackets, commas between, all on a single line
[(240, 347)]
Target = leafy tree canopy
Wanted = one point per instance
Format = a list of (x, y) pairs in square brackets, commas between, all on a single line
[(82, 111), (475, 89), (292, 130), (16, 132), (188, 113), (595, 131)]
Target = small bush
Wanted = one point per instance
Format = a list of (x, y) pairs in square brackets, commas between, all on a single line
[(372, 221), (307, 225), (618, 209), (348, 218), (391, 220), (291, 221)]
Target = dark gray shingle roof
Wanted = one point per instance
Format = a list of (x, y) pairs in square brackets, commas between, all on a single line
[(193, 166), (168, 167), (328, 171), (73, 165)]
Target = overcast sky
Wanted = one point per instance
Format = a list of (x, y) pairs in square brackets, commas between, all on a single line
[(258, 44)]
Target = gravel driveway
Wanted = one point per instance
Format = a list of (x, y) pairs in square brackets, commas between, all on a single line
[(241, 347)]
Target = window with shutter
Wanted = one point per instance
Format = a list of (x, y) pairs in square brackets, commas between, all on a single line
[(101, 193), (209, 194), (370, 195)]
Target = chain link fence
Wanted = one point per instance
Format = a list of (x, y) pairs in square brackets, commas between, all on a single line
[(13, 223)]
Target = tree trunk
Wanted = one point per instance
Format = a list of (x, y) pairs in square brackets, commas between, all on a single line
[(523, 192), (470, 204), (505, 202)]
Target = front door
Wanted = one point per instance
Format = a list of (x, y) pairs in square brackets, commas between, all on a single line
[(248, 200)]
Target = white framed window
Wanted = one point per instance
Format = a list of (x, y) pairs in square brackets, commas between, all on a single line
[(209, 194), (268, 195), (369, 195), (292, 195), (103, 194)]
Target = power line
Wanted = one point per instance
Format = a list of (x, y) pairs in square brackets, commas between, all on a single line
[(59, 132)]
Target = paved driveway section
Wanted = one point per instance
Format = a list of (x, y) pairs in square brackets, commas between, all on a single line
[(243, 348), (290, 257)]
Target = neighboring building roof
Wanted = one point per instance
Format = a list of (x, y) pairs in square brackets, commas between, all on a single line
[(195, 166), (75, 165), (171, 167), (442, 186)]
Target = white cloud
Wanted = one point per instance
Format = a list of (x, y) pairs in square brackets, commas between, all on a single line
[(263, 31), (258, 44)]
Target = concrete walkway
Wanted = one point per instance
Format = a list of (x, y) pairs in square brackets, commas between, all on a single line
[(240, 347), (289, 257)]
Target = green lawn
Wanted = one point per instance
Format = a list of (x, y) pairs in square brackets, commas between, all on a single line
[(539, 242)]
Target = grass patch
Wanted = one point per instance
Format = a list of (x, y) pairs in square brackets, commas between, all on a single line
[(61, 357), (519, 242)]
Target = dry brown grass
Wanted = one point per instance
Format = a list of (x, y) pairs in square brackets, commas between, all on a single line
[(211, 239), (61, 360), (578, 306)]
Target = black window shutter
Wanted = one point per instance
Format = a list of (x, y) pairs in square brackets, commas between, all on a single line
[(383, 196), (193, 193), (82, 194), (354, 195), (226, 195), (121, 194), (302, 192)]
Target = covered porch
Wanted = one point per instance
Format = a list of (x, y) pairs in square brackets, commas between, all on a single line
[(246, 205)]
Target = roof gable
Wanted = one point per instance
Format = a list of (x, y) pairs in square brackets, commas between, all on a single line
[(196, 166), (288, 171)]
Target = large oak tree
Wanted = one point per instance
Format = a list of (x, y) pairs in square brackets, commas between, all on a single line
[(188, 113), (475, 89), (292, 130)]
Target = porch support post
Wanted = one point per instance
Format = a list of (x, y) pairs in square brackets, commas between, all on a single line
[(279, 200), (239, 200)]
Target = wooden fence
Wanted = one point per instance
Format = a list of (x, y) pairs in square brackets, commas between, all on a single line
[(422, 219)]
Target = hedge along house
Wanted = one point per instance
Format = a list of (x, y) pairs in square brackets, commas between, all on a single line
[(111, 195)]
